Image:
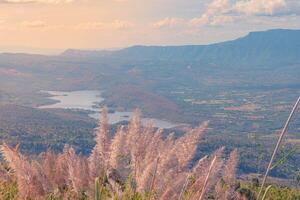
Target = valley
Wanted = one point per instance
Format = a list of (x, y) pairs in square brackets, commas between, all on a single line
[(244, 87)]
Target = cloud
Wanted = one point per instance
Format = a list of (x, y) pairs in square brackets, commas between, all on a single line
[(35, 1), (218, 7), (116, 24), (34, 24), (200, 21), (221, 12), (121, 25), (216, 14), (168, 23), (221, 20), (84, 26), (260, 7), (91, 26)]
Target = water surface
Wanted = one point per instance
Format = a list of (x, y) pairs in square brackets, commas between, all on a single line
[(88, 100), (85, 100)]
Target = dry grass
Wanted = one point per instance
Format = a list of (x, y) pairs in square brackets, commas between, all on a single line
[(134, 162)]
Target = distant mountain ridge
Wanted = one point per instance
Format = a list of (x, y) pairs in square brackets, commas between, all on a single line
[(275, 46)]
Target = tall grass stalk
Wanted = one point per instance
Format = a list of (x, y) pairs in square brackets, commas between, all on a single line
[(267, 191), (184, 186), (207, 178), (97, 189), (278, 146), (285, 158), (153, 179)]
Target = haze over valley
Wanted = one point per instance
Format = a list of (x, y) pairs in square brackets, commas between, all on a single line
[(244, 87)]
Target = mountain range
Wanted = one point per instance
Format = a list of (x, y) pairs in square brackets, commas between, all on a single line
[(276, 46)]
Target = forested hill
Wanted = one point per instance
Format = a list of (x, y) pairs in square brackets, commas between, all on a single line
[(278, 46)]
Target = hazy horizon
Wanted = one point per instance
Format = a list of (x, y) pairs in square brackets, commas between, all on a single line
[(53, 51), (56, 51), (51, 26)]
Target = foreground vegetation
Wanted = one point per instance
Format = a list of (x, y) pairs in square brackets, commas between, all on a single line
[(246, 190), (134, 163), (137, 163)]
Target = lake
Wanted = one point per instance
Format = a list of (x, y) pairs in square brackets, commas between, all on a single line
[(88, 100)]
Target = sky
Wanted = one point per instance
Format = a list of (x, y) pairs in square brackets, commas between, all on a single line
[(50, 26)]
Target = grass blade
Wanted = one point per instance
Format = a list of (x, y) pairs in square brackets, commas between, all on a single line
[(207, 178), (266, 192), (278, 145)]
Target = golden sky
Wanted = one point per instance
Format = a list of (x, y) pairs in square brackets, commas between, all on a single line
[(53, 25)]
